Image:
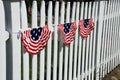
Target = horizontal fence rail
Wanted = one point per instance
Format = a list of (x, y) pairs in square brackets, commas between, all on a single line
[(88, 58)]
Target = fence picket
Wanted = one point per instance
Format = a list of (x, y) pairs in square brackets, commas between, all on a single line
[(76, 43), (34, 25), (49, 42), (66, 47), (80, 46), (55, 40), (87, 46), (102, 45), (84, 45), (71, 45), (109, 47), (91, 44), (61, 45), (94, 40), (100, 22), (42, 53), (25, 55)]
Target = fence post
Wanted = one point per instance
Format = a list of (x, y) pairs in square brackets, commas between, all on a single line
[(13, 47), (98, 37), (3, 37)]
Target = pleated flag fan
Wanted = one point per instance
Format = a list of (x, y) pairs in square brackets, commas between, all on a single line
[(68, 31), (35, 39), (85, 27)]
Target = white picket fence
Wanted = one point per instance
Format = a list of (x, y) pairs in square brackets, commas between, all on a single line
[(84, 59)]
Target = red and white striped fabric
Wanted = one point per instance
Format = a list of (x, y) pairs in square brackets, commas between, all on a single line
[(68, 31), (36, 39), (85, 27)]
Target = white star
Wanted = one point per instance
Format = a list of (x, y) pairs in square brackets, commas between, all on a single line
[(34, 31), (65, 24), (39, 30), (33, 38), (36, 34)]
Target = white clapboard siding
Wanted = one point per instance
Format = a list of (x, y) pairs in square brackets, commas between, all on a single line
[(49, 42), (84, 45), (42, 53), (55, 40), (80, 45), (62, 17), (66, 47), (24, 24), (71, 45), (34, 25), (4, 36)]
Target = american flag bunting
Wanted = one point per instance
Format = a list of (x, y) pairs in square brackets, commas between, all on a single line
[(85, 27), (68, 31), (36, 39)]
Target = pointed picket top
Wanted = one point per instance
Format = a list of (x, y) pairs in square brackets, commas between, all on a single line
[(93, 9), (42, 13), (24, 15), (50, 16), (82, 7), (68, 12), (77, 11), (34, 14), (86, 8), (73, 12), (89, 10), (96, 11), (62, 13), (56, 15)]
